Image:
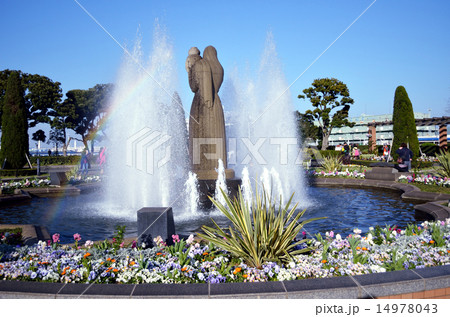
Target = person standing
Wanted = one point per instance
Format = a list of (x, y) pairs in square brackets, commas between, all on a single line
[(346, 153), (405, 155), (356, 152), (385, 152)]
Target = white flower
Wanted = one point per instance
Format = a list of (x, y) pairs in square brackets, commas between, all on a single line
[(357, 231), (338, 237), (190, 239)]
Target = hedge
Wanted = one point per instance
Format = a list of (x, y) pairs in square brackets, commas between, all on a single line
[(56, 160)]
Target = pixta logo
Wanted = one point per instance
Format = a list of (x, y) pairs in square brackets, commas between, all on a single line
[(144, 147)]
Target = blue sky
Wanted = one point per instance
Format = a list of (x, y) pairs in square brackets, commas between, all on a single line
[(401, 42)]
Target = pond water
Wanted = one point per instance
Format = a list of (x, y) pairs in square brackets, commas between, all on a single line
[(346, 209)]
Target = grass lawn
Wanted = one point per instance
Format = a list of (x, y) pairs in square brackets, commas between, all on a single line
[(432, 188)]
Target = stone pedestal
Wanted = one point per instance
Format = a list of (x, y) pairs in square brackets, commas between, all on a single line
[(207, 187), (212, 174), (153, 222), (383, 173), (58, 178)]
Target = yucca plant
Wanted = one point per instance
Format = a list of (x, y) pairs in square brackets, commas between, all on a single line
[(332, 163), (258, 233), (444, 168)]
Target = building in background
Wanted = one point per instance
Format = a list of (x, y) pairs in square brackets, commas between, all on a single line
[(359, 133)]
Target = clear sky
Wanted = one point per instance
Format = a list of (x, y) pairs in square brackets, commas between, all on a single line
[(395, 42)]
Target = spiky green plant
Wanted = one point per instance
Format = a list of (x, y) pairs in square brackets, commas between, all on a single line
[(258, 233), (332, 163), (444, 168)]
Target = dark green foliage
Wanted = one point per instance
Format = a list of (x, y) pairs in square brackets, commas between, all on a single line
[(83, 111), (14, 141), (307, 128), (57, 160), (324, 96), (40, 93), (430, 149), (39, 135), (18, 173), (404, 124)]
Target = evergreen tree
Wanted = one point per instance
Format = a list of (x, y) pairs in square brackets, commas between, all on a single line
[(324, 97), (14, 141), (404, 129)]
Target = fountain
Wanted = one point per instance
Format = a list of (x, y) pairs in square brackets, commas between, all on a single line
[(150, 165)]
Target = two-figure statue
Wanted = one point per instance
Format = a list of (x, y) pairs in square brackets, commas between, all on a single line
[(207, 140)]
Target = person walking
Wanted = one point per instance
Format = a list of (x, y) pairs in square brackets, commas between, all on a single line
[(405, 156), (84, 167), (356, 152)]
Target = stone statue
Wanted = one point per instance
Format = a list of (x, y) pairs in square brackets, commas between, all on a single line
[(207, 141)]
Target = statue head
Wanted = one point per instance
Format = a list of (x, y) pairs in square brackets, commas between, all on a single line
[(193, 56), (210, 53), (194, 51)]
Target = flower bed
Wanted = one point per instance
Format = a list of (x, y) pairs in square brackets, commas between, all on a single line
[(346, 173), (10, 186), (75, 180), (426, 180), (380, 250)]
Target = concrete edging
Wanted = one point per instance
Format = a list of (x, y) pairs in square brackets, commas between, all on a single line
[(349, 287), (359, 286)]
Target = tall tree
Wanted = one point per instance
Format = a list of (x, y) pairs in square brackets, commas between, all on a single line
[(14, 141), (40, 94), (404, 123), (324, 96)]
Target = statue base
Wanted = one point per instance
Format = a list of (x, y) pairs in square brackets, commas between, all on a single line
[(207, 188), (212, 174)]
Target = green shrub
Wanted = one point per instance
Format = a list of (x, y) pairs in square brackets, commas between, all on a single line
[(332, 163), (330, 153), (430, 149), (260, 233), (18, 173), (56, 160), (444, 161)]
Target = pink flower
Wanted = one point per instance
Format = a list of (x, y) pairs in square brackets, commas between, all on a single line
[(55, 238), (134, 244), (122, 244), (77, 237), (176, 238)]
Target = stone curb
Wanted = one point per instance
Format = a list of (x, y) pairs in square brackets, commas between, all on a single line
[(348, 287), (432, 202)]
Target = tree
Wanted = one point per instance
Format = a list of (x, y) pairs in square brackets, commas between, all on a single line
[(39, 135), (14, 140), (56, 137), (324, 97), (307, 128), (40, 94), (404, 124), (84, 111)]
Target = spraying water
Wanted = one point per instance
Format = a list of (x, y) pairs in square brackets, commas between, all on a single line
[(221, 184), (246, 186), (148, 156), (192, 196), (262, 121)]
